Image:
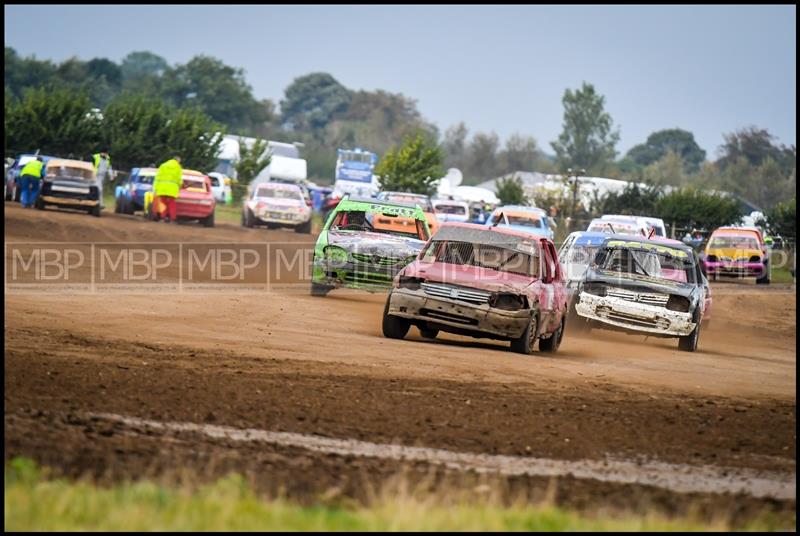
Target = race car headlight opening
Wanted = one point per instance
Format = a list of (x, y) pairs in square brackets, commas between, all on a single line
[(410, 283), (711, 258), (335, 254), (594, 288), (507, 301), (755, 258), (678, 303)]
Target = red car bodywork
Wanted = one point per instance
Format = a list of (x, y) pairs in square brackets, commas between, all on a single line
[(544, 295), (195, 203)]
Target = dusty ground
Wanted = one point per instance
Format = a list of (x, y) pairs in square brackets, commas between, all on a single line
[(261, 353)]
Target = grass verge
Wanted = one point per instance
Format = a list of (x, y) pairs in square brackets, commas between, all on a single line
[(36, 502)]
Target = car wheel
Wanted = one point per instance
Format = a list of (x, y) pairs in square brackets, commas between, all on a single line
[(95, 211), (764, 279), (304, 228), (525, 342), (551, 345), (394, 327), (118, 206), (428, 333), (39, 203), (320, 290), (17, 193), (689, 342), (9, 194), (208, 221)]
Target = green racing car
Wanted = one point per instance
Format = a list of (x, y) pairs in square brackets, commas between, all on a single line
[(365, 242)]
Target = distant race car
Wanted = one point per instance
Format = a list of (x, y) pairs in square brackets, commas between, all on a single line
[(129, 195), (413, 199), (70, 184), (451, 210), (618, 226), (12, 189), (195, 200), (351, 251), (529, 220), (277, 204), (220, 186), (482, 282), (644, 286), (645, 222), (738, 252)]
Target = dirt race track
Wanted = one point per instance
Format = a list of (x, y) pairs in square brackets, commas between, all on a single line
[(123, 383)]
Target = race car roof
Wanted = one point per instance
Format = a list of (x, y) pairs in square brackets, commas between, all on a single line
[(368, 204), (480, 234), (676, 250)]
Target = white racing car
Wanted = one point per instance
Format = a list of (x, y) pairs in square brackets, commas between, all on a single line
[(276, 204)]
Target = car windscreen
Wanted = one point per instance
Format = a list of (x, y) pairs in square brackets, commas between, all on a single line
[(734, 242), (194, 183), (647, 262), (273, 192), (422, 201), (613, 227), (379, 222), (451, 209), (517, 219), (145, 179), (490, 256), (69, 172)]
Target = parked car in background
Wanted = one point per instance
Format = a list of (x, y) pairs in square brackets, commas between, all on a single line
[(482, 282), (70, 184), (220, 186), (644, 286), (129, 194), (351, 251), (423, 201), (451, 210), (277, 205), (737, 252), (195, 200), (12, 189), (617, 226), (524, 219)]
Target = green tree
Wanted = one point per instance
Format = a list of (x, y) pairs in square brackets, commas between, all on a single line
[(142, 64), (24, 73), (633, 199), (455, 146), (660, 143), (56, 121), (587, 140), (482, 157), (669, 170), (755, 145), (690, 207), (251, 161), (782, 219), (521, 153), (511, 192), (415, 166), (216, 89), (311, 101)]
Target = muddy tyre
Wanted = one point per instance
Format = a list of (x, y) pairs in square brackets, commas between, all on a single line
[(208, 221), (689, 342), (304, 228), (551, 345), (320, 290), (524, 343), (394, 327), (95, 211), (764, 279), (247, 218), (428, 333)]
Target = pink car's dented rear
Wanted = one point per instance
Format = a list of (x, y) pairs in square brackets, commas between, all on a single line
[(483, 282)]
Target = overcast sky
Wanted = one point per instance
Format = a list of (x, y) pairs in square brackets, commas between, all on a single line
[(707, 69)]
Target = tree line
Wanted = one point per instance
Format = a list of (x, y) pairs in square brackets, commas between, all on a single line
[(320, 112)]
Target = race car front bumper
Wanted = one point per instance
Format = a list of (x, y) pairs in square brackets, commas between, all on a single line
[(737, 268), (479, 319), (634, 316), (354, 275)]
